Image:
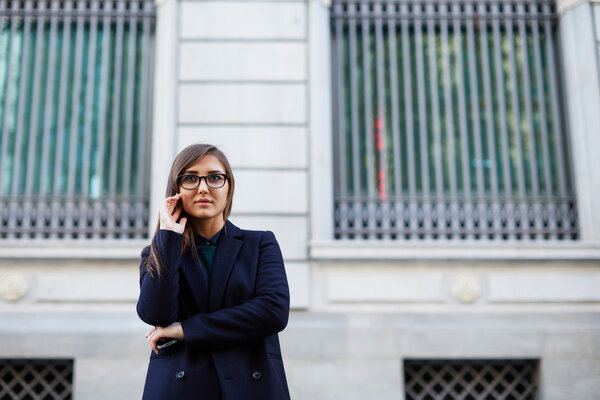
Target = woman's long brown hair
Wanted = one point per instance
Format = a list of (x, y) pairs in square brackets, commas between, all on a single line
[(184, 160)]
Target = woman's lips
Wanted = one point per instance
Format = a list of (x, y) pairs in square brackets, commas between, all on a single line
[(203, 201)]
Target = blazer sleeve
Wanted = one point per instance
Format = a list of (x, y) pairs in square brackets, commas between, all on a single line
[(263, 315), (158, 301)]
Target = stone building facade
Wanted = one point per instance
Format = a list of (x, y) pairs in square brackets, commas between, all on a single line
[(254, 78)]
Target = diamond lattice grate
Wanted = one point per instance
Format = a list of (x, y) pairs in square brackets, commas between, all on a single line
[(36, 379), (470, 379)]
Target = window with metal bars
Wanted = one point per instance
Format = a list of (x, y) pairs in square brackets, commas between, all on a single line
[(36, 379), (470, 379), (448, 122), (75, 98)]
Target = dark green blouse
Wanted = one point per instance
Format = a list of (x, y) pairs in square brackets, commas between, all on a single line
[(206, 251)]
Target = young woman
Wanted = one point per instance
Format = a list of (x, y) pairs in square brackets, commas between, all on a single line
[(216, 295)]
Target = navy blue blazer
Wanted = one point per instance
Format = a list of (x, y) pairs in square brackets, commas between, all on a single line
[(231, 348)]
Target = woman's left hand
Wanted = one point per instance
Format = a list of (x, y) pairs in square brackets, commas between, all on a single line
[(172, 331)]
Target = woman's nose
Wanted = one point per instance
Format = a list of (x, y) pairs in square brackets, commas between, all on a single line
[(203, 186)]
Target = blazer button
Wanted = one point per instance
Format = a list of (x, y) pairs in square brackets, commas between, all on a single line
[(256, 375), (180, 374)]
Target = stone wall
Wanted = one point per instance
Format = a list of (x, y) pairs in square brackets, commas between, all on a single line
[(253, 78)]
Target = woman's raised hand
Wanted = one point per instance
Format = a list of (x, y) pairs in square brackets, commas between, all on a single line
[(169, 213)]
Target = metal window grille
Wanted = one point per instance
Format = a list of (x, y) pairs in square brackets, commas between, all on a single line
[(36, 379), (448, 121), (75, 96), (470, 379)]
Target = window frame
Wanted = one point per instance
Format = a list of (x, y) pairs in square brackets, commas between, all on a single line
[(322, 245), (65, 205)]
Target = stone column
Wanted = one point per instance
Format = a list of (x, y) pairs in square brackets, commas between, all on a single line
[(163, 109), (580, 35), (321, 149)]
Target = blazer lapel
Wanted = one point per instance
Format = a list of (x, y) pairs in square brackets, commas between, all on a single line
[(198, 287), (228, 247)]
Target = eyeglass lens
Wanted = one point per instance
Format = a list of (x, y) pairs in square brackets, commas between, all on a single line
[(214, 181)]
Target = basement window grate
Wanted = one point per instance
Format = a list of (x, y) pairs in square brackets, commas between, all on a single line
[(470, 379), (36, 379)]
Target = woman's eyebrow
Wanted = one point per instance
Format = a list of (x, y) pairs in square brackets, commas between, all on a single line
[(191, 171)]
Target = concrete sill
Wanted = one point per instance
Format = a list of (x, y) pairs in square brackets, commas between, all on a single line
[(54, 249), (459, 251)]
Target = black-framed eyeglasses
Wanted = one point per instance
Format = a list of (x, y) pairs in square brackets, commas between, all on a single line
[(191, 182)]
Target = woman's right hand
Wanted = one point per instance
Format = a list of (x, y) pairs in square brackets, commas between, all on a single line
[(169, 213)]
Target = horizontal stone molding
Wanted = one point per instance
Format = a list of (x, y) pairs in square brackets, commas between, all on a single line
[(452, 250), (73, 249)]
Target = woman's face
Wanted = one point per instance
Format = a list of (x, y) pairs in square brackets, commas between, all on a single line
[(205, 204)]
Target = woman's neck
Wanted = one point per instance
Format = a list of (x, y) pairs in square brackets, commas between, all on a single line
[(207, 229)]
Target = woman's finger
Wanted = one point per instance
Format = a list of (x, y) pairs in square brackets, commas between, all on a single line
[(153, 338), (170, 202), (174, 197), (150, 331), (176, 213), (182, 222), (155, 332)]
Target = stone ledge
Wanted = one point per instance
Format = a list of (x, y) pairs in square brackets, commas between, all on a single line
[(54, 249), (450, 251)]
